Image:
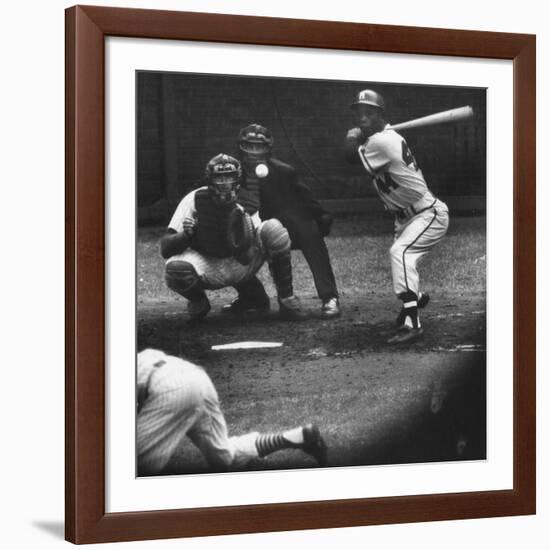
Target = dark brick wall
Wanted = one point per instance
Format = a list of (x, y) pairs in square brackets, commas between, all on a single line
[(309, 120)]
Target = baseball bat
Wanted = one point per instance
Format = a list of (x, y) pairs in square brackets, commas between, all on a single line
[(460, 113)]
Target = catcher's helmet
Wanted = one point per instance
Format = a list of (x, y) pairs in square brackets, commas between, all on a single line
[(369, 97), (223, 176), (255, 140)]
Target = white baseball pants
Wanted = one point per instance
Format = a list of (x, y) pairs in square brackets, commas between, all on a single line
[(413, 240), (222, 272)]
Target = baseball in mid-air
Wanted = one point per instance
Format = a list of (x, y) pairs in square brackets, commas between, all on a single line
[(262, 170)]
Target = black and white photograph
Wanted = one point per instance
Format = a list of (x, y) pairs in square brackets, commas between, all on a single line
[(310, 273)]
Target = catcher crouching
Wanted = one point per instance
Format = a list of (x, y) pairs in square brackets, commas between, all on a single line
[(212, 242)]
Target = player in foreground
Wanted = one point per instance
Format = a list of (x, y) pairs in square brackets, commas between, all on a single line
[(201, 249), (276, 190), (421, 220), (177, 398)]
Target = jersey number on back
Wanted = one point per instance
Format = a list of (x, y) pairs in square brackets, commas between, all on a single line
[(385, 182)]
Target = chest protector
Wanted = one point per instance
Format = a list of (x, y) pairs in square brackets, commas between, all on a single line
[(249, 195), (211, 235)]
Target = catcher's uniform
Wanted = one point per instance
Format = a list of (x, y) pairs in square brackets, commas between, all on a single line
[(421, 220), (215, 272), (177, 398)]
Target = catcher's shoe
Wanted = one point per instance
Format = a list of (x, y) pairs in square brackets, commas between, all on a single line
[(290, 309), (421, 304), (314, 444), (331, 309), (198, 309), (406, 335), (245, 307)]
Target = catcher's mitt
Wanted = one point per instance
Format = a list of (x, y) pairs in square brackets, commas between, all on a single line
[(240, 235)]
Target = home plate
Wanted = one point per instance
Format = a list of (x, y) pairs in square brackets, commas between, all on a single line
[(247, 345)]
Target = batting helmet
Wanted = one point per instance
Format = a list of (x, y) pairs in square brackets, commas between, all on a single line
[(369, 97), (223, 176), (256, 140)]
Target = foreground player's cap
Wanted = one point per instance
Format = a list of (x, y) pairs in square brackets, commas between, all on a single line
[(369, 97)]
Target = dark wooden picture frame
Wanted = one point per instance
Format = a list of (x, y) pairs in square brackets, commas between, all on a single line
[(86, 30)]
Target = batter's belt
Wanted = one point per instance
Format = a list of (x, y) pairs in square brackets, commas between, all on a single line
[(422, 204)]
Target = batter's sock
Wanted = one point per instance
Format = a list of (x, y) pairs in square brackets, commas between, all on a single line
[(269, 443), (409, 314), (410, 310)]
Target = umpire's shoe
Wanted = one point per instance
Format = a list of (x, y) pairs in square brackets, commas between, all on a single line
[(331, 309), (314, 444), (290, 309), (245, 307), (421, 304), (198, 309)]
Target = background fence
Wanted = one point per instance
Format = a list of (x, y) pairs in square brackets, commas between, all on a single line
[(185, 119)]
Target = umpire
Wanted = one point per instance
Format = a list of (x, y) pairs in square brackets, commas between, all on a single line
[(276, 190)]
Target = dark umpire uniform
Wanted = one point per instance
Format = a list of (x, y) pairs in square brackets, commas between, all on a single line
[(282, 195)]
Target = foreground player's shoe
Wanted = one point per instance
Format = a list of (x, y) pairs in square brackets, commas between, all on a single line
[(244, 307), (198, 309), (308, 438), (406, 335), (314, 444), (290, 309), (331, 309), (423, 300)]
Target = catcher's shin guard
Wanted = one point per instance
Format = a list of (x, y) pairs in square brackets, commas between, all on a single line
[(275, 238), (276, 243), (281, 271), (182, 278)]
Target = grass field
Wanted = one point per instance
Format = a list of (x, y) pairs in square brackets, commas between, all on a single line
[(373, 403), (359, 252)]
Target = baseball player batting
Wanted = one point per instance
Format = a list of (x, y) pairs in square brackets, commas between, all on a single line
[(199, 249), (177, 399), (421, 220)]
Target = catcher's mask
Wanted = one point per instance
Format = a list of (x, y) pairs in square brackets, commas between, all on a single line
[(223, 176), (255, 142)]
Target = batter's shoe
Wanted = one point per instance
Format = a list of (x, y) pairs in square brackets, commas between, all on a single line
[(314, 444), (244, 307), (421, 304), (406, 335), (290, 309), (331, 309), (198, 309)]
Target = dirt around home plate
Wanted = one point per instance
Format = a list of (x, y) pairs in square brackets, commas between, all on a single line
[(375, 403)]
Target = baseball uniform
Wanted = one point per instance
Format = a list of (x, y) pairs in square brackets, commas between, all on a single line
[(421, 220), (214, 272), (200, 250), (176, 398)]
